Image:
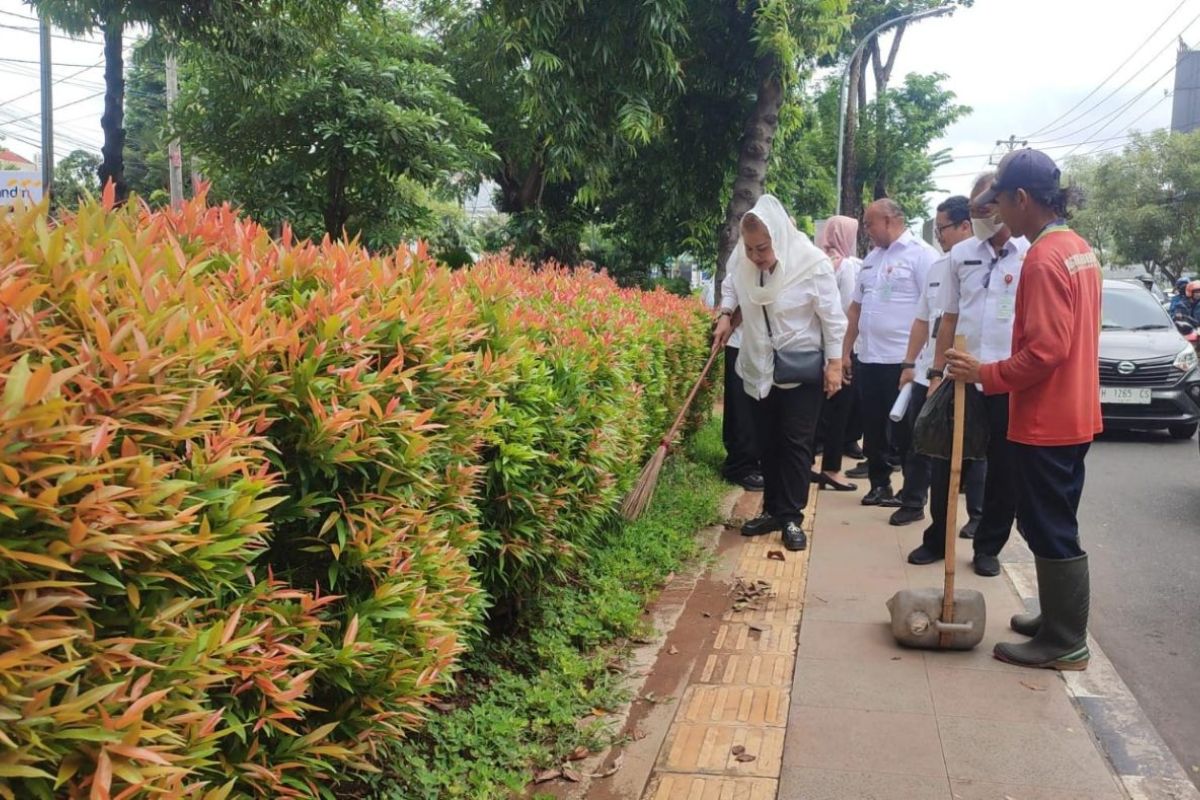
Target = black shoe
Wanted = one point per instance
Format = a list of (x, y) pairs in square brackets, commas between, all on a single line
[(986, 566), (896, 466), (753, 482), (861, 471), (906, 516), (968, 530), (877, 496), (793, 537), (763, 523), (826, 482), (923, 555), (891, 502), (852, 451)]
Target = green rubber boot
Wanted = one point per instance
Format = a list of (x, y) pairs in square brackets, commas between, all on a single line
[(1026, 624), (1061, 639)]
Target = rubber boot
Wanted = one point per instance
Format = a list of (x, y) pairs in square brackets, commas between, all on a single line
[(1026, 624), (1061, 639)]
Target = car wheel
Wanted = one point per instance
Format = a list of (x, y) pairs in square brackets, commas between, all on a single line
[(1186, 431)]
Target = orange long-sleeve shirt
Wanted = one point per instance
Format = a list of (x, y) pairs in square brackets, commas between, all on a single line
[(1053, 376)]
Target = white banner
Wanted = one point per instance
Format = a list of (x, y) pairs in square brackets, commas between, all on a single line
[(19, 187)]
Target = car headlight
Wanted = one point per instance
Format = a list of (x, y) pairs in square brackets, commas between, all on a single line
[(1186, 359)]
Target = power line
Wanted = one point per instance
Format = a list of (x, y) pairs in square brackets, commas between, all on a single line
[(1114, 92), (1111, 75), (64, 105), (20, 16), (36, 32), (1161, 100), (60, 80), (53, 64)]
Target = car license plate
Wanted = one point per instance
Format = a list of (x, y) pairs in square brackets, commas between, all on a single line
[(1122, 395)]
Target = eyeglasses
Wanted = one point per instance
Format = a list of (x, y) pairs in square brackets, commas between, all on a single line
[(941, 228), (987, 279)]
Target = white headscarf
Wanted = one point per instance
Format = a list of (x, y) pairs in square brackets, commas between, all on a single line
[(798, 259)]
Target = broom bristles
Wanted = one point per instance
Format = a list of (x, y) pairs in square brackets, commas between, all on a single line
[(639, 497)]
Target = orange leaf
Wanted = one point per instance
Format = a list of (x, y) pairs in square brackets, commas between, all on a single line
[(38, 383), (102, 780), (38, 559)]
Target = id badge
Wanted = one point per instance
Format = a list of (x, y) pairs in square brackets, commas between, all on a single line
[(1006, 307)]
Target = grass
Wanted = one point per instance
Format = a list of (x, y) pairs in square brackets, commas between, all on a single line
[(522, 698)]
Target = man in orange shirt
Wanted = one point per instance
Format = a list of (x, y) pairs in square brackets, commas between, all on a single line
[(1053, 381)]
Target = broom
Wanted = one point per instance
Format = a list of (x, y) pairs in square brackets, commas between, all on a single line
[(639, 497)]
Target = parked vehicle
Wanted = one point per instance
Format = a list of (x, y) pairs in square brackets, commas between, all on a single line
[(1149, 379)]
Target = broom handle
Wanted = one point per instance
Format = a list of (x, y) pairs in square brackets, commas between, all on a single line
[(670, 437), (956, 460)]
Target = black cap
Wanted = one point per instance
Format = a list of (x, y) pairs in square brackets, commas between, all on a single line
[(1022, 169)]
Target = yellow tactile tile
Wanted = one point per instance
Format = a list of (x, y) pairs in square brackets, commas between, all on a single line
[(714, 749), (744, 670), (708, 787), (737, 701), (748, 705)]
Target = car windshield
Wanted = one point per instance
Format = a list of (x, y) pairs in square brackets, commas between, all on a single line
[(1133, 310)]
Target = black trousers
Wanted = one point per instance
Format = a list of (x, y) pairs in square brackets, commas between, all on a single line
[(854, 425), (878, 385), (918, 469), (742, 448), (786, 421), (1000, 488), (973, 478), (997, 510), (835, 413), (1050, 482)]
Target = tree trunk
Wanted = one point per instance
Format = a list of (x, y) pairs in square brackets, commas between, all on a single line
[(753, 156), (112, 168), (521, 192), (336, 214), (855, 92), (883, 74)]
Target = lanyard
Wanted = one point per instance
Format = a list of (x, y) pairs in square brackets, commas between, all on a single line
[(1057, 225)]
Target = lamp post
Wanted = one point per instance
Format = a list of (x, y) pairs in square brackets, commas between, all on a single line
[(845, 92)]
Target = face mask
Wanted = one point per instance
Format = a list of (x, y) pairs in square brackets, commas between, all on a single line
[(985, 229)]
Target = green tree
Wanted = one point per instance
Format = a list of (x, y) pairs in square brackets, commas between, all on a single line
[(896, 160), (217, 23), (360, 136), (75, 178), (1147, 199)]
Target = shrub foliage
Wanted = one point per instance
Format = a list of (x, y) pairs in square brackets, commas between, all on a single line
[(256, 495)]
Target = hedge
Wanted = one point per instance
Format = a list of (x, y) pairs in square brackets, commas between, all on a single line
[(257, 495)]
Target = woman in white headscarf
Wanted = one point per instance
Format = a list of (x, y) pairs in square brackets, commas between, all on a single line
[(792, 324)]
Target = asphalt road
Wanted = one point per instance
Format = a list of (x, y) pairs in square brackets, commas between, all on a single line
[(1140, 522)]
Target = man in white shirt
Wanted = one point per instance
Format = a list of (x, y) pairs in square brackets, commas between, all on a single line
[(880, 317), (979, 302), (952, 224)]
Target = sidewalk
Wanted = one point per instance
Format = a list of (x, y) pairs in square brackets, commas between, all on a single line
[(802, 694)]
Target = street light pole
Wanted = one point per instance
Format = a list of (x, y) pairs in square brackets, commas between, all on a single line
[(845, 90)]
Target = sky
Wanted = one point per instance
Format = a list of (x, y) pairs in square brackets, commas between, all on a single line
[(1019, 64)]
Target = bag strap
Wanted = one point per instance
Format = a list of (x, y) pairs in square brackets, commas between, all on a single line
[(766, 319)]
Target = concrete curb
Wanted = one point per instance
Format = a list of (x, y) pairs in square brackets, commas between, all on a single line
[(1143, 764)]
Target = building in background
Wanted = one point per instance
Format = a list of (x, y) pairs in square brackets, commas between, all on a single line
[(11, 160), (1185, 113)]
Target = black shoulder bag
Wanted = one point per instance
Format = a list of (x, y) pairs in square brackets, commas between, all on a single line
[(795, 366)]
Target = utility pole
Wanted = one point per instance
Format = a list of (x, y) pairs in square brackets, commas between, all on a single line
[(1009, 145), (175, 155), (47, 109)]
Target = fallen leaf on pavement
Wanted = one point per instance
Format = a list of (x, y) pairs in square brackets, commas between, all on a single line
[(745, 758), (756, 629), (738, 750), (599, 712), (572, 775), (547, 775), (1031, 687), (673, 650), (579, 753), (776, 555), (611, 770)]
